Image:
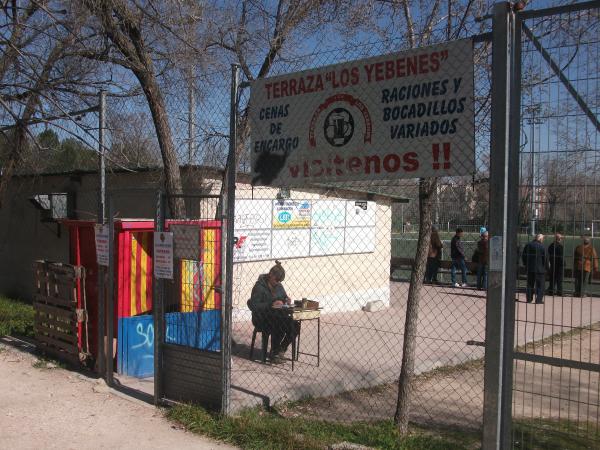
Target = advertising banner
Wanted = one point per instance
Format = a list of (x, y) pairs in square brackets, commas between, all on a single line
[(402, 115)]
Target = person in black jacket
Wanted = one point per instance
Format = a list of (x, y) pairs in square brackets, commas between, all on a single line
[(535, 260), (457, 253), (267, 293), (556, 259)]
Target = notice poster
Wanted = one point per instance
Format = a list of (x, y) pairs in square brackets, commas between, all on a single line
[(163, 255), (251, 245), (401, 115), (328, 214), (252, 214), (326, 241), (292, 213), (360, 213), (290, 243), (101, 234), (359, 240)]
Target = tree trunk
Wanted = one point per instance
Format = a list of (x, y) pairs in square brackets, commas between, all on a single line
[(156, 103), (427, 189)]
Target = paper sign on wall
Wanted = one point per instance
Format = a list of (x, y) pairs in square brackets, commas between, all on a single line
[(101, 233), (251, 245), (163, 255), (292, 214)]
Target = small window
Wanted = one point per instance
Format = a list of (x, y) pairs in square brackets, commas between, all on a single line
[(55, 206)]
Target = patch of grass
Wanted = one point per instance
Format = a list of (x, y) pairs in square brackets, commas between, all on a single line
[(259, 429), (16, 318), (534, 434)]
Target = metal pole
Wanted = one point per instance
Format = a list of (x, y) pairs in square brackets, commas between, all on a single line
[(110, 329), (533, 188), (191, 108), (229, 230), (504, 169), (158, 309), (101, 324)]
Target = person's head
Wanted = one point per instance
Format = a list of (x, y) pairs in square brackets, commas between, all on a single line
[(459, 232), (485, 235), (276, 274), (558, 237), (539, 237), (482, 230), (586, 240)]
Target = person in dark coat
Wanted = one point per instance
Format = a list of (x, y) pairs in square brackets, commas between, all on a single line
[(434, 256), (535, 260), (457, 253), (267, 293), (556, 259), (483, 257)]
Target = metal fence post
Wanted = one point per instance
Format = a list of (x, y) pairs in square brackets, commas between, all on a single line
[(158, 308), (229, 230), (101, 323), (110, 309), (504, 166)]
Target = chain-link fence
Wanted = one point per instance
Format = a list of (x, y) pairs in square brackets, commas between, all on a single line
[(556, 378), (332, 261)]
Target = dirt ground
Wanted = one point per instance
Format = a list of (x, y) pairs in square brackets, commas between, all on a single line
[(46, 407), (453, 396)]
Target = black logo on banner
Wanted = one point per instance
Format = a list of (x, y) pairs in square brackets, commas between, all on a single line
[(339, 127)]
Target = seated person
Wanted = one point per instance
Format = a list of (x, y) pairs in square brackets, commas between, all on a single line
[(266, 293)]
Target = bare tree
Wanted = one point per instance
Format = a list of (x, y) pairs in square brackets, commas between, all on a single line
[(36, 74), (127, 25)]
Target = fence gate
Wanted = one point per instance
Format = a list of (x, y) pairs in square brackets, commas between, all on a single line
[(542, 366), (556, 369), (189, 359)]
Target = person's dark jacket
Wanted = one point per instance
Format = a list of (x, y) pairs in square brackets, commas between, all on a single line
[(534, 257), (483, 251), (556, 255), (457, 250), (262, 298)]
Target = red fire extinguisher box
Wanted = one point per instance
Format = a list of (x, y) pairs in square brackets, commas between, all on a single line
[(199, 271)]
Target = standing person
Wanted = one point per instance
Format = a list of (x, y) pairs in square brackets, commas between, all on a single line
[(268, 292), (457, 253), (556, 259), (535, 260), (584, 260), (483, 255), (434, 256)]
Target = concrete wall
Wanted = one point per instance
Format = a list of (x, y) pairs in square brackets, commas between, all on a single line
[(341, 282)]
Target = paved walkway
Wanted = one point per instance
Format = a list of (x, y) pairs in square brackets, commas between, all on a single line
[(360, 349), (55, 408)]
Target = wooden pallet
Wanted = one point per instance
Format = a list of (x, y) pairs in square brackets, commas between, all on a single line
[(56, 314)]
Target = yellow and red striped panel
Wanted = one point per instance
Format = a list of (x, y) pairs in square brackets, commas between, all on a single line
[(140, 280), (199, 278)]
